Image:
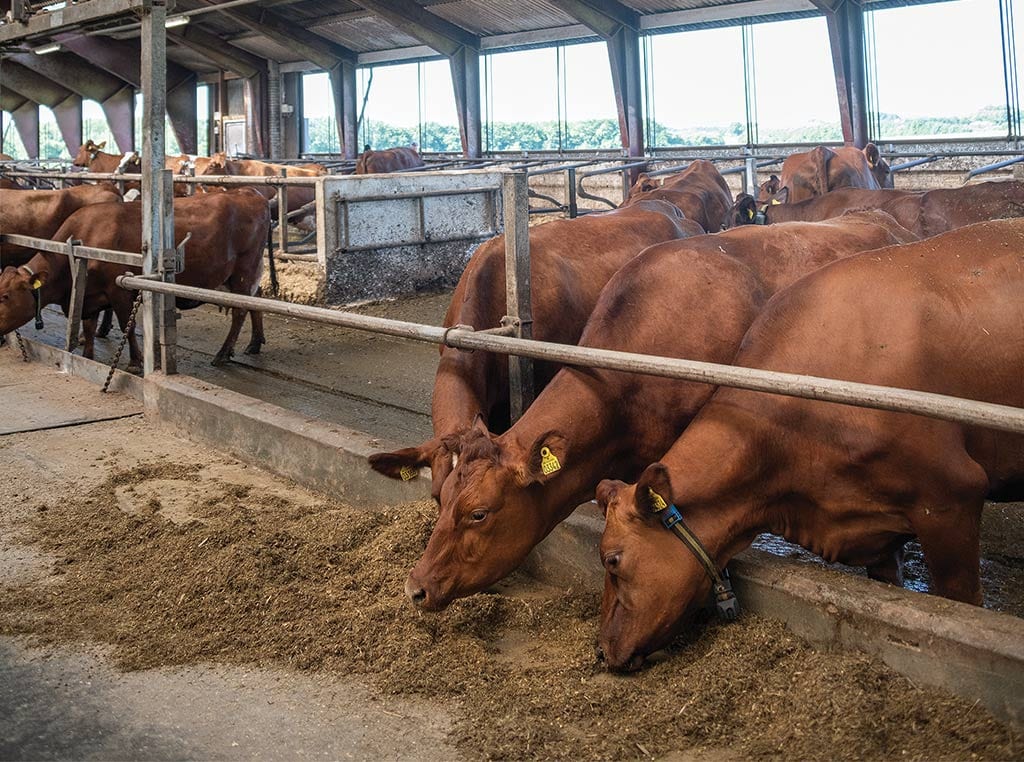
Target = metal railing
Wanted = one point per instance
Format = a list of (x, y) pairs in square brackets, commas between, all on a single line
[(944, 407)]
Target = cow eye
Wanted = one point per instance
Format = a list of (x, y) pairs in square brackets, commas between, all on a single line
[(612, 560), (479, 515)]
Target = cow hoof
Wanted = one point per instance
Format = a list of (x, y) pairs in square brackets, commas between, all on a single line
[(221, 359), (253, 348), (134, 369), (101, 334)]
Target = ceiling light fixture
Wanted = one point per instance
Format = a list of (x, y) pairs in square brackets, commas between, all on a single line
[(43, 50), (174, 21)]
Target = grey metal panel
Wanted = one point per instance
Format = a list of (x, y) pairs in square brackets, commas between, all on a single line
[(364, 33), (265, 48), (502, 16)]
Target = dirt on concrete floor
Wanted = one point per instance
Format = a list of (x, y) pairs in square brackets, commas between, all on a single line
[(170, 555)]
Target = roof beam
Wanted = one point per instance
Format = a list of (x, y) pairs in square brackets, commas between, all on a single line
[(605, 17), (70, 15), (66, 105), (10, 100), (72, 72), (121, 59), (221, 53), (415, 20), (307, 44)]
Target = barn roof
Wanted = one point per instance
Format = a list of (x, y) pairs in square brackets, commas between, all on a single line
[(312, 33)]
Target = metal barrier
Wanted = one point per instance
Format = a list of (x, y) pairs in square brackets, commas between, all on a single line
[(944, 407)]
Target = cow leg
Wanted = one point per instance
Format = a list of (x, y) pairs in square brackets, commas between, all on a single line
[(105, 324), (951, 541), (228, 349), (258, 339), (890, 568), (88, 336)]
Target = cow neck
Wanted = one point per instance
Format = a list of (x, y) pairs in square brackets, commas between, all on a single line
[(719, 485), (572, 407), (57, 288)]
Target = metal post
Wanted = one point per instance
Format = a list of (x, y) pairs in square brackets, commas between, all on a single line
[(750, 174), (78, 282), (518, 300), (166, 312), (282, 215), (274, 110), (154, 217), (571, 193)]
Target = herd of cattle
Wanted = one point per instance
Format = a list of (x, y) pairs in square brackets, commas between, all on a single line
[(828, 272), (905, 289), (229, 230)]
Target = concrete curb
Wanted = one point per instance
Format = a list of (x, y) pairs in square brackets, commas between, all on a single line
[(971, 652)]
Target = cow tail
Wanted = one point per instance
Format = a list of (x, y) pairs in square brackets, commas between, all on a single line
[(270, 261)]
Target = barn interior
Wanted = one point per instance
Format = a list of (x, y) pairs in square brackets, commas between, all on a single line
[(297, 421)]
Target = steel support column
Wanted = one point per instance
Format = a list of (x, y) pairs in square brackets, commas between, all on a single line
[(624, 57), (25, 114), (66, 105), (274, 108), (292, 87), (343, 85), (845, 20), (465, 66), (157, 200)]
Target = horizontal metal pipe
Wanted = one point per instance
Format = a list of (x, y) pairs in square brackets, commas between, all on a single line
[(940, 406), (85, 252), (993, 167), (914, 163), (416, 194), (191, 179)]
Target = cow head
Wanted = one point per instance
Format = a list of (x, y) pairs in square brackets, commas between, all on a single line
[(492, 515), (768, 189), (743, 212), (651, 580), (88, 152), (879, 167), (643, 184), (17, 284), (218, 165)]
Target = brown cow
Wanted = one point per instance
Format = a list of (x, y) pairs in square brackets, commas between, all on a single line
[(92, 157), (41, 213), (228, 231), (570, 260), (5, 157), (822, 169), (700, 192), (298, 196), (693, 299), (372, 162), (850, 484), (926, 213)]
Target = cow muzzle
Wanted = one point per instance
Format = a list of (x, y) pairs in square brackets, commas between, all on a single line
[(422, 598)]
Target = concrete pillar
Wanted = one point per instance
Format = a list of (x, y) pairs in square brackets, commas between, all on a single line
[(343, 85), (624, 57), (291, 85), (274, 108), (465, 66)]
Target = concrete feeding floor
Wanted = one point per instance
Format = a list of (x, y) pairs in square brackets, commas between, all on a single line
[(59, 703)]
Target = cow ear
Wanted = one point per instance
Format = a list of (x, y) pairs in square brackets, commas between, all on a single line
[(746, 208), (654, 490), (406, 464), (545, 459), (606, 492), (872, 154), (781, 197), (101, 146)]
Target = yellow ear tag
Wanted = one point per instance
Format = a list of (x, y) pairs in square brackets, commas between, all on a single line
[(37, 284), (657, 500), (776, 202), (750, 213), (408, 473), (548, 462)]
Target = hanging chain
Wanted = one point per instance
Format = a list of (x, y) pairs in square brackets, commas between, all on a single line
[(21, 346), (124, 340)]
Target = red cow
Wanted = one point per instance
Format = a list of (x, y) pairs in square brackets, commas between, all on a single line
[(925, 213), (39, 213), (228, 231), (850, 484), (692, 299), (822, 169), (570, 261), (700, 192), (388, 160)]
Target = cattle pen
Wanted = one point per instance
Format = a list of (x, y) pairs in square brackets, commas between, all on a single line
[(196, 559)]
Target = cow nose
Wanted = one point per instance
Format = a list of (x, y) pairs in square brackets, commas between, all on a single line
[(599, 653), (415, 592)]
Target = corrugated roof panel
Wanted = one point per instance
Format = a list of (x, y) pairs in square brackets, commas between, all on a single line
[(315, 9), (666, 6), (261, 46), (364, 34), (490, 17)]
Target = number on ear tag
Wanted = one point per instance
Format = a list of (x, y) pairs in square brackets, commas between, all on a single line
[(776, 202), (408, 473), (548, 462), (37, 284), (657, 500)]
